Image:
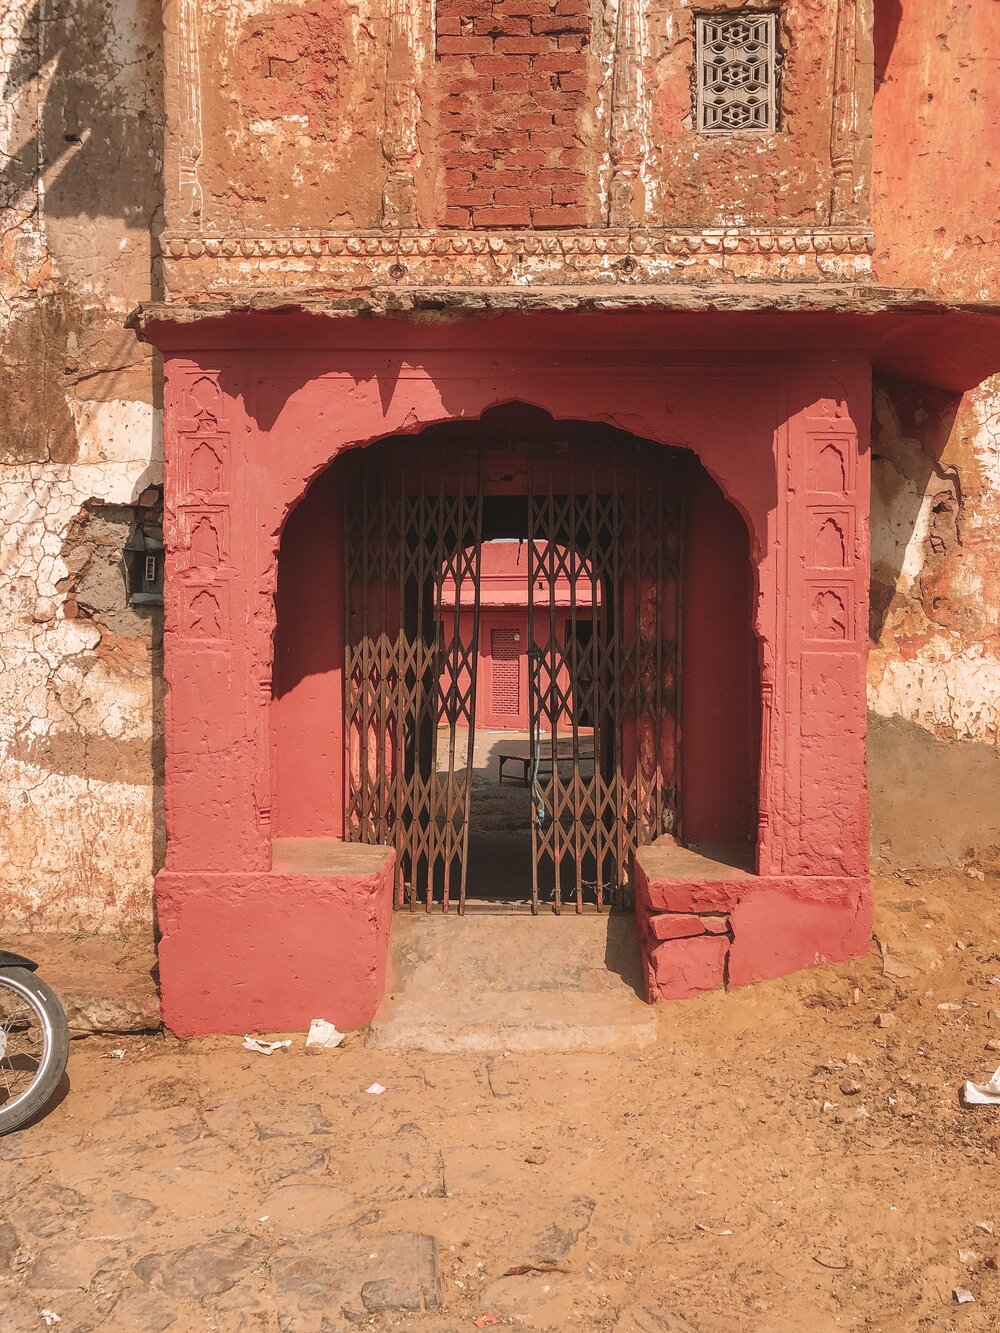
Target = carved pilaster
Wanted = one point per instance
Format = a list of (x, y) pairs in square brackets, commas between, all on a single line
[(189, 137), (628, 120), (400, 142), (845, 118)]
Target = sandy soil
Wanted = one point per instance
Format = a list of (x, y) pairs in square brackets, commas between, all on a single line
[(792, 1157)]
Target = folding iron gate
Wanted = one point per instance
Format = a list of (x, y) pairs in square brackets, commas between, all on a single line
[(603, 705)]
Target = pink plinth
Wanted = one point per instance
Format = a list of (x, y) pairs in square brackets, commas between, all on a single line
[(272, 951), (772, 924)]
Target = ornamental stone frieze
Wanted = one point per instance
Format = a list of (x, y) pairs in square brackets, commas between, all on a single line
[(214, 262)]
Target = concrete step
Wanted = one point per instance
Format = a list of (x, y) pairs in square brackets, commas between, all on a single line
[(507, 982)]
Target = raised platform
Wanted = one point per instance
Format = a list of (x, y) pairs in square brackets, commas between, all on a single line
[(270, 951), (707, 921)]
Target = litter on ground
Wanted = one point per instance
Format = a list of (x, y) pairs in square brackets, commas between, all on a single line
[(264, 1047), (983, 1094), (323, 1036)]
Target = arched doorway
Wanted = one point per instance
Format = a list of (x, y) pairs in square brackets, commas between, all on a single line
[(597, 517), (774, 460)]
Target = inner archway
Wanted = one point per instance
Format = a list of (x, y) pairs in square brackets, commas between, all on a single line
[(640, 711)]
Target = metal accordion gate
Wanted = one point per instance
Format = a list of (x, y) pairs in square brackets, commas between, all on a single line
[(600, 516)]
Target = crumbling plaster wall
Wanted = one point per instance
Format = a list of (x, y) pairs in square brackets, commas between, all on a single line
[(518, 108), (80, 144), (934, 665), (934, 668)]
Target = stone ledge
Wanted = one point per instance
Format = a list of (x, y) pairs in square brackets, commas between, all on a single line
[(676, 297), (269, 951), (443, 244)]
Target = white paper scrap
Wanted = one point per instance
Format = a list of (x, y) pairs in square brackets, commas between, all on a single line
[(964, 1296), (264, 1047), (983, 1094), (323, 1036), (376, 1089)]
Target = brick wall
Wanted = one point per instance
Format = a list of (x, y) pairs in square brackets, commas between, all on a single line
[(515, 77)]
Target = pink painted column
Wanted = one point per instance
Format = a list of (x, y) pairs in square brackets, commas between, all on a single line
[(210, 721)]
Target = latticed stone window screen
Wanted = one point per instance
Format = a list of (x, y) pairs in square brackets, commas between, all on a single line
[(737, 72)]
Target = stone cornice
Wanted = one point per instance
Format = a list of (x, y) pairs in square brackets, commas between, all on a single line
[(542, 245)]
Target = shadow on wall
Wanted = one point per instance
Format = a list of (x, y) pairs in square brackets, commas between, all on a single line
[(96, 133), (914, 498), (83, 90), (888, 16)]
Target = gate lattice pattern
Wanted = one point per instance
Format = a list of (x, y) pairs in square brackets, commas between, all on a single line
[(610, 523)]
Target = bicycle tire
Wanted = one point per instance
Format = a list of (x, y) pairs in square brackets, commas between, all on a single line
[(45, 1003)]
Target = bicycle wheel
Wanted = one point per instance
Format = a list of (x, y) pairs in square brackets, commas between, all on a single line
[(34, 1045)]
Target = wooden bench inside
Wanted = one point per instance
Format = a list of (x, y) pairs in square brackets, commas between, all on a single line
[(545, 761)]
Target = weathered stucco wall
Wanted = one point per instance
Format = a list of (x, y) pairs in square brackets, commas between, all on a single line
[(934, 665), (936, 146), (80, 146), (494, 114), (934, 669)]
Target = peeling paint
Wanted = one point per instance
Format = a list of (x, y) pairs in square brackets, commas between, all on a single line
[(80, 150)]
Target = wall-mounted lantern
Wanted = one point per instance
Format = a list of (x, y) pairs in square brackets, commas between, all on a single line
[(143, 556)]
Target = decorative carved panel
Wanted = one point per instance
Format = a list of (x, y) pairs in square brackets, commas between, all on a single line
[(830, 611), (831, 537), (204, 536), (198, 539), (205, 611), (736, 78), (831, 463)]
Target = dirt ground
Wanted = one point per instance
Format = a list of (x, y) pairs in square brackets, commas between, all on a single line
[(789, 1157)]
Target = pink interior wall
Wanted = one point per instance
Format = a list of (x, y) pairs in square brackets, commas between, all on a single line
[(307, 714), (719, 686)]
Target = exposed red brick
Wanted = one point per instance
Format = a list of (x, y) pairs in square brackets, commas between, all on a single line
[(523, 45), (508, 72), (535, 120), (508, 26), (498, 64), (523, 83), (551, 176), (559, 25), (675, 926), (501, 217), (464, 46), (685, 925)]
